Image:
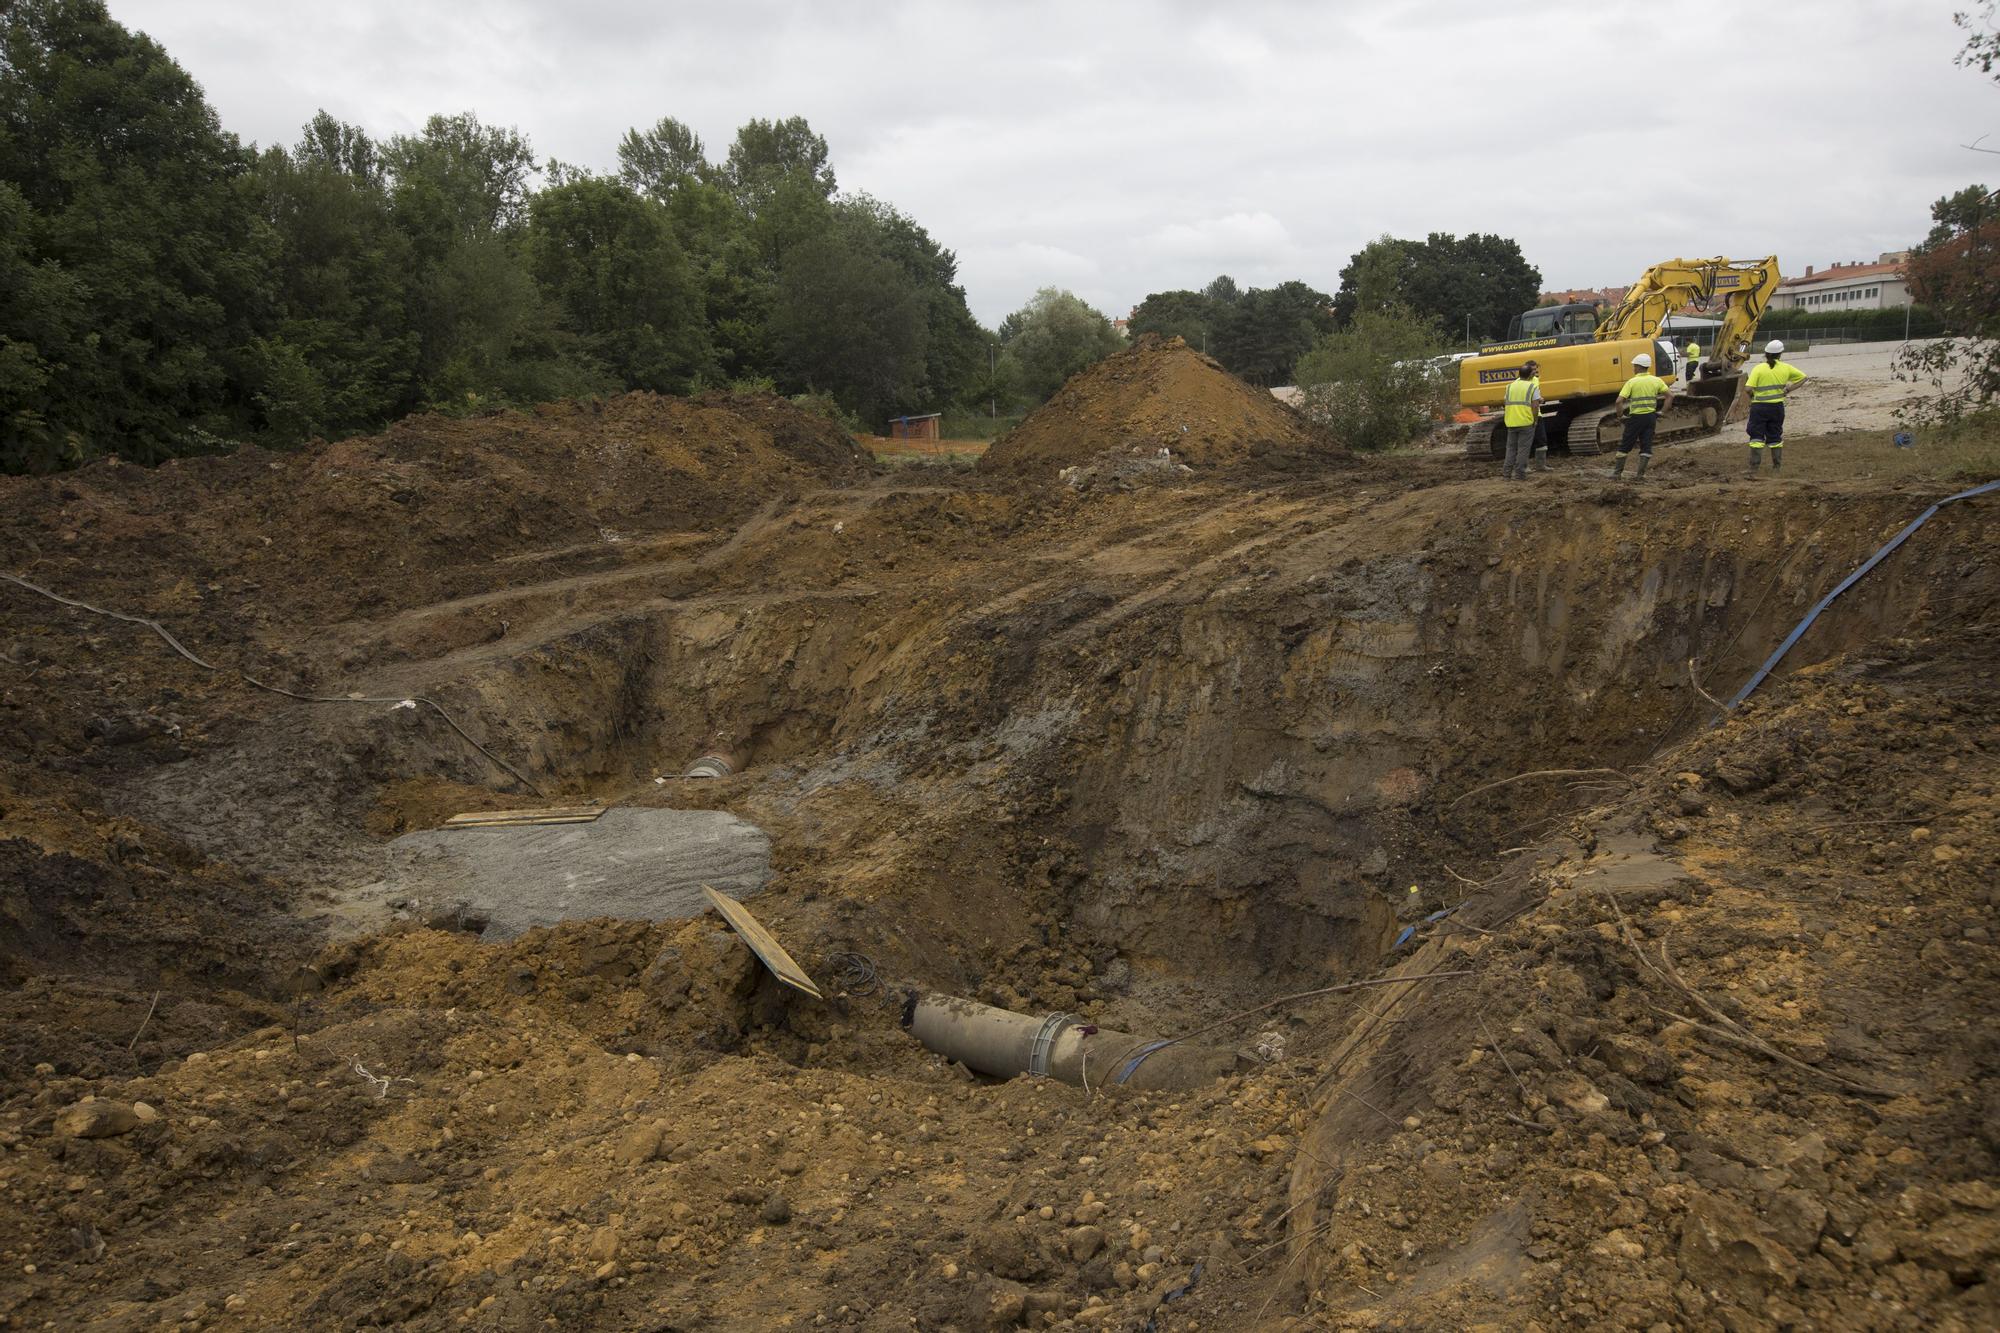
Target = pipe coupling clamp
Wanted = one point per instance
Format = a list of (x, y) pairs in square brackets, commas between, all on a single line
[(1045, 1041)]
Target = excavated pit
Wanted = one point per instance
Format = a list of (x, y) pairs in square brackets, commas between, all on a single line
[(1192, 766), (1150, 758)]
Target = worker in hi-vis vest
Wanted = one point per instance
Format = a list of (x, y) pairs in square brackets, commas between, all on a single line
[(1769, 384), (1524, 406), (1639, 402), (1690, 359)]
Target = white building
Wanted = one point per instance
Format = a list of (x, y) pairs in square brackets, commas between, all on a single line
[(1855, 286)]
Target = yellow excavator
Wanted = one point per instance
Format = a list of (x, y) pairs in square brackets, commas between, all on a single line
[(1585, 359)]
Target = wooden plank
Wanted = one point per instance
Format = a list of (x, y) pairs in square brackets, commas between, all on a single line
[(560, 814), (762, 943)]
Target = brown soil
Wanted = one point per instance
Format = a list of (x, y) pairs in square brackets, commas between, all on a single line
[(1159, 394), (1719, 1057)]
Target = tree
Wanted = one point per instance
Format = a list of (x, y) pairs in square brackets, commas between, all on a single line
[(609, 261), (1982, 48), (130, 243), (850, 322), (1373, 278), (460, 192), (44, 325), (1481, 281), (770, 153), (1264, 332), (738, 284), (341, 354), (1956, 214), (1374, 384), (163, 289), (1051, 338), (659, 161), (1178, 314), (955, 345), (460, 180), (490, 336), (333, 145), (1956, 271), (1223, 290)]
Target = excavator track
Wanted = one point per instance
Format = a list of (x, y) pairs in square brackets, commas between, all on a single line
[(1586, 434), (1688, 419), (1484, 441), (1597, 430)]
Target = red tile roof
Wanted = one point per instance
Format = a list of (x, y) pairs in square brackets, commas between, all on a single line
[(1586, 295), (1842, 273)]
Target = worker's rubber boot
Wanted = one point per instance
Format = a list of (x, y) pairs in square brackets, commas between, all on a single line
[(1777, 459), (1756, 457), (1542, 460), (1618, 468), (1640, 475)]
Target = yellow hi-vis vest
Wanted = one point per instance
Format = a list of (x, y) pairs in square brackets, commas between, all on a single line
[(1694, 351), (1768, 382), (1642, 394), (1520, 402)]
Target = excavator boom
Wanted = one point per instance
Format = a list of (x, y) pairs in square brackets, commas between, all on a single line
[(1736, 289)]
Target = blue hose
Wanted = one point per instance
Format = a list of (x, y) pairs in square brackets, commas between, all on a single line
[(1847, 583), (1131, 1066)]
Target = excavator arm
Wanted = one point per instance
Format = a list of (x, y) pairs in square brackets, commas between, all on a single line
[(1739, 289)]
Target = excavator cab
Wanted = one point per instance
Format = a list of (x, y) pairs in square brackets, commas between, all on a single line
[(1567, 324)]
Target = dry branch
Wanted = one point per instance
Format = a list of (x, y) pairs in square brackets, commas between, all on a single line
[(1721, 1024), (1541, 773), (142, 1022), (1695, 681)]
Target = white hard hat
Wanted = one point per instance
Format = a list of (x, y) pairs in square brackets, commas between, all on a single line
[(1774, 347), (1642, 361)]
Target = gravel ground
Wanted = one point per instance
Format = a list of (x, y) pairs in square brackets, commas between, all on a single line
[(1852, 386)]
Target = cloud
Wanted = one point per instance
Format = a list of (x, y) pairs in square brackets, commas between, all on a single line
[(1234, 235), (1122, 147)]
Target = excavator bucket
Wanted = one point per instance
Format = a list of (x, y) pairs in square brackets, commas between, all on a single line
[(1727, 390)]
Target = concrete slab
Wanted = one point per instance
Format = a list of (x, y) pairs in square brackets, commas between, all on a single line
[(643, 865)]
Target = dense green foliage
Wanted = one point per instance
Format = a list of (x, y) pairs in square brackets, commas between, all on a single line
[(1464, 285), (1860, 325), (135, 261), (1047, 341), (1377, 382), (165, 289), (1256, 334)]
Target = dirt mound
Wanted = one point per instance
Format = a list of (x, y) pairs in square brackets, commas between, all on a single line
[(1158, 394), (427, 509)]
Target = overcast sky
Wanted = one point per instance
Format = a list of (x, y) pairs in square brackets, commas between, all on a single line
[(1119, 149)]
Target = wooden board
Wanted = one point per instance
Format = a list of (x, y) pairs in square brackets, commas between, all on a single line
[(762, 943), (558, 814)]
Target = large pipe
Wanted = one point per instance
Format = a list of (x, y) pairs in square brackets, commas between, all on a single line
[(716, 762), (1003, 1044)]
